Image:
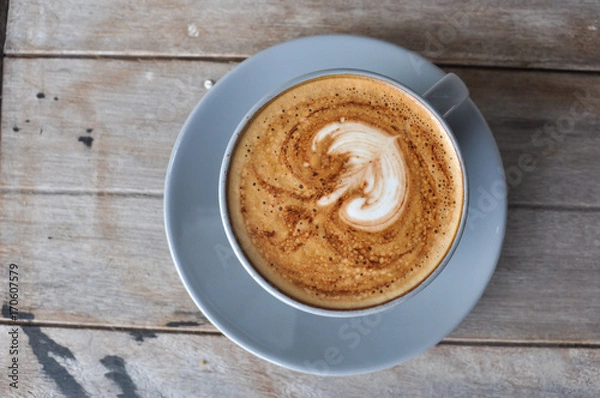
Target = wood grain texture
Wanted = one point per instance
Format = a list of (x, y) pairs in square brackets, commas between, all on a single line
[(564, 35), (103, 363), (547, 283), (94, 95), (130, 113), (103, 260), (94, 260), (547, 127), (136, 108)]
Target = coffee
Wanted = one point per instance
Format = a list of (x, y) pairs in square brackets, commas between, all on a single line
[(344, 192)]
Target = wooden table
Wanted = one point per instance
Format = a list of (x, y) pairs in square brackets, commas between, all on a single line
[(93, 97)]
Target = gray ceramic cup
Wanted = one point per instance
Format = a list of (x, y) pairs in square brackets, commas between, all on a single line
[(441, 100)]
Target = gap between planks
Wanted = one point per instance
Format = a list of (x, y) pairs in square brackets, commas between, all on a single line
[(217, 58), (133, 56), (126, 193), (176, 330)]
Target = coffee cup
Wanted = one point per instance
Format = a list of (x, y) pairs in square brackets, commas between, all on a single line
[(344, 193)]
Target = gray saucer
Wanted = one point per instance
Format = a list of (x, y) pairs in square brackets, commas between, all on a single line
[(253, 318)]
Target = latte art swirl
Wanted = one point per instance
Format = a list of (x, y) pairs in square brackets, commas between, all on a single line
[(344, 192), (375, 167)]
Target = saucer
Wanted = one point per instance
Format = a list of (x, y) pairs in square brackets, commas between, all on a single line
[(252, 317)]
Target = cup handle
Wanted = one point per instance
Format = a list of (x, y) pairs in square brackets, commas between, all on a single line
[(447, 94)]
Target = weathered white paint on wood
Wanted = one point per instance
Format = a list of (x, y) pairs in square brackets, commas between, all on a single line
[(93, 260), (136, 109), (547, 126), (85, 223), (104, 363), (132, 110), (562, 35), (546, 285), (103, 260)]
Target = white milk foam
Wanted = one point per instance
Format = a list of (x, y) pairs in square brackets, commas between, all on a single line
[(375, 168)]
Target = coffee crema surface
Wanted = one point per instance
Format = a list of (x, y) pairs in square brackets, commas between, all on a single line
[(344, 192)]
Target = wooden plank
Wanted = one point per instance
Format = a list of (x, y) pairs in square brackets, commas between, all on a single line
[(564, 35), (547, 284), (107, 264), (96, 125), (94, 260), (79, 362), (547, 126), (136, 108)]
